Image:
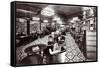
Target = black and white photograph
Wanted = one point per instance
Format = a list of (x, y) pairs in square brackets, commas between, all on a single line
[(54, 33)]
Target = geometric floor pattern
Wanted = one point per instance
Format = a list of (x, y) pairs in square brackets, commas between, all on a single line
[(72, 54)]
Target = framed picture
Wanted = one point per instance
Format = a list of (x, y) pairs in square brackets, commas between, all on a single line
[(49, 33)]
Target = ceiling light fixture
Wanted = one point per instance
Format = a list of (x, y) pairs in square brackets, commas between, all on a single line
[(48, 11)]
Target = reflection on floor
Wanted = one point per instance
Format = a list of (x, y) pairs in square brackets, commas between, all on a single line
[(72, 54)]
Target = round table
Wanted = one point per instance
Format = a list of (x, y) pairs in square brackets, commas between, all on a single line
[(41, 48), (33, 57)]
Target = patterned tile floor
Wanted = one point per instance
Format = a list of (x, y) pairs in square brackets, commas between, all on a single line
[(72, 54)]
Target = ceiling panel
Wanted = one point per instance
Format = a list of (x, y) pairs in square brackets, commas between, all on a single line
[(32, 8)]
